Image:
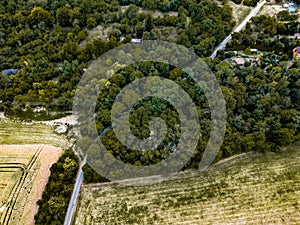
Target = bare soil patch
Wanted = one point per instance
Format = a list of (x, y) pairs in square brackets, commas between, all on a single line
[(155, 13), (2, 116), (270, 10)]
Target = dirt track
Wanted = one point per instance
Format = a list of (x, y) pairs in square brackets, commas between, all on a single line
[(32, 186)]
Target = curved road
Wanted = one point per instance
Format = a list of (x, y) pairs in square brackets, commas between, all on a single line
[(253, 12), (79, 179)]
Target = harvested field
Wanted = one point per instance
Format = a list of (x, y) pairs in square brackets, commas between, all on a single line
[(24, 171), (24, 168), (29, 133), (251, 189)]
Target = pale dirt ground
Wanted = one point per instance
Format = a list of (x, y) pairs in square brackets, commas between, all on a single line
[(70, 120), (48, 156), (2, 115), (270, 10), (32, 190), (239, 11)]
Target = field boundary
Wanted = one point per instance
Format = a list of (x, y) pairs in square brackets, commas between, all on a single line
[(251, 188), (179, 175)]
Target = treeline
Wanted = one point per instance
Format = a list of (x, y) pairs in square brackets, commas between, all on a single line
[(56, 196), (27, 114), (91, 176), (246, 2), (174, 5)]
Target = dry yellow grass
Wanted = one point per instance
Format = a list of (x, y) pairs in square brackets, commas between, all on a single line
[(252, 189), (20, 192), (29, 133)]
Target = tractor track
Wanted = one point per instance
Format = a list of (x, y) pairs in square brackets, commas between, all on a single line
[(18, 186)]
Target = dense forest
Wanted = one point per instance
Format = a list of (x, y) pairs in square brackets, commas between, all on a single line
[(262, 107), (51, 43), (268, 34), (48, 41)]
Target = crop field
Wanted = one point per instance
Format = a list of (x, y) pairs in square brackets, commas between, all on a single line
[(24, 170), (250, 189), (8, 179), (26, 153), (28, 133)]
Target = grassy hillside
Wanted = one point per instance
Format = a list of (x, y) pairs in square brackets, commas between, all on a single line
[(251, 189), (30, 133)]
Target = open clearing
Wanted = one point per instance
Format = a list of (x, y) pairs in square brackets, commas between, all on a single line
[(239, 11), (24, 171), (251, 189), (270, 10)]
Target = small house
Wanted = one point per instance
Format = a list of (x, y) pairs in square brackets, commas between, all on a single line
[(239, 61), (285, 6), (136, 40), (254, 50)]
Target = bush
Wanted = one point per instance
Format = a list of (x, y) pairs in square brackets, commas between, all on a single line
[(237, 1), (285, 16), (250, 2)]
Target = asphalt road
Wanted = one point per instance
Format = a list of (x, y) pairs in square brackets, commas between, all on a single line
[(253, 12), (73, 201), (79, 180)]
